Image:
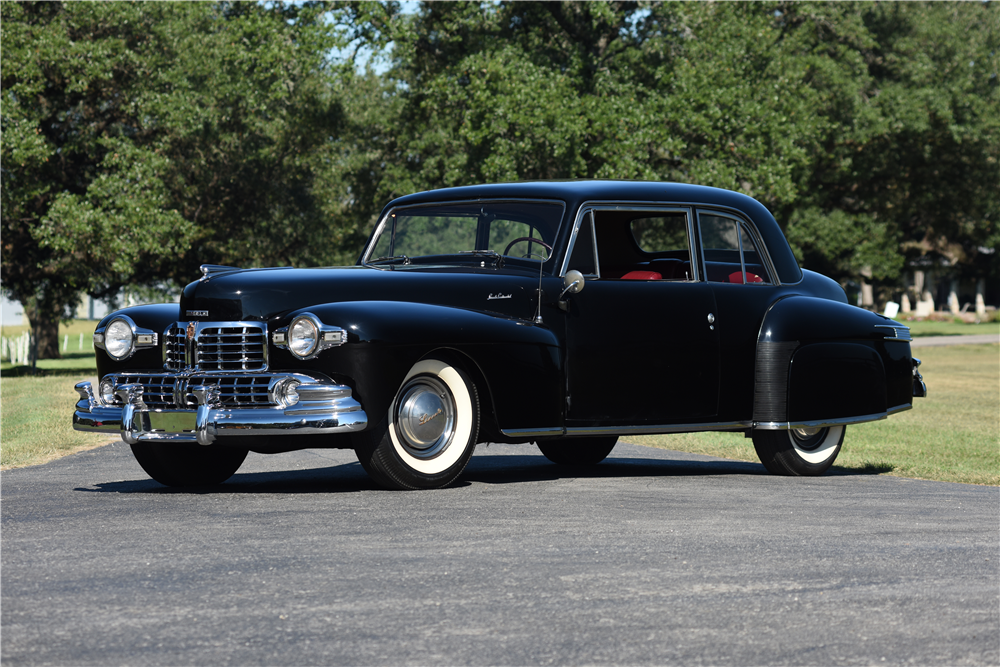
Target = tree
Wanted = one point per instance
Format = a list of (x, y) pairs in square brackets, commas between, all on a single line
[(143, 139)]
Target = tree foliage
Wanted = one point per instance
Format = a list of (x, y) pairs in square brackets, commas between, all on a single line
[(143, 139)]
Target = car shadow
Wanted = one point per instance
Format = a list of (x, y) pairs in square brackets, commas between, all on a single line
[(485, 469)]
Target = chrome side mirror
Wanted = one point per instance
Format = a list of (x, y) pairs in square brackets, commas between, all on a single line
[(573, 282)]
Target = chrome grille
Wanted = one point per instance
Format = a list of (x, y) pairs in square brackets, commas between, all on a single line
[(217, 346), (157, 390), (238, 348), (173, 348), (236, 391)]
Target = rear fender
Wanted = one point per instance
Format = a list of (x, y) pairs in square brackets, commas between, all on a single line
[(820, 362)]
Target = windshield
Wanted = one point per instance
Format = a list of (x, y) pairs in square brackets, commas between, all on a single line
[(459, 232)]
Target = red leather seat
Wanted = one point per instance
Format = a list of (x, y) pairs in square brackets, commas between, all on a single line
[(737, 277), (642, 275)]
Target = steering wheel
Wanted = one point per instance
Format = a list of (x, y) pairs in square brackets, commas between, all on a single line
[(529, 239)]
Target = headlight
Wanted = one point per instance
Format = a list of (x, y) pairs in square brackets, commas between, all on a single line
[(118, 339), (303, 337)]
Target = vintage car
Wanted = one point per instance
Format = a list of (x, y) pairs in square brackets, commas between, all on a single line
[(566, 314)]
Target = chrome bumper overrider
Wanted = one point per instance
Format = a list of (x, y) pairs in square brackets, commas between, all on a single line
[(321, 409)]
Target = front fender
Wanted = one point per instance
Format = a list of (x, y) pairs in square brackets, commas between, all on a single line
[(155, 317), (518, 361), (822, 361)]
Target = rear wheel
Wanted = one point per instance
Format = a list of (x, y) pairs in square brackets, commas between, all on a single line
[(188, 465), (429, 433), (799, 451), (578, 451)]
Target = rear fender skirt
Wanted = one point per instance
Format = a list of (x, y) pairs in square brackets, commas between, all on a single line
[(820, 360)]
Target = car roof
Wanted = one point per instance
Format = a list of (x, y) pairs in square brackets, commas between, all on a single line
[(578, 192)]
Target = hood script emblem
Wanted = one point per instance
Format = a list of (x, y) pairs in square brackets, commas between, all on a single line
[(498, 296), (197, 313)]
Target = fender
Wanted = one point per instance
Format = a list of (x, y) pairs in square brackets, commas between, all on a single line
[(156, 317), (518, 361), (822, 362)]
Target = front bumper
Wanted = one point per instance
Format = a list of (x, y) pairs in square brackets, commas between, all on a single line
[(322, 409)]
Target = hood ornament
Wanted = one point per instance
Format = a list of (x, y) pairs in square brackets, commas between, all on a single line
[(210, 270)]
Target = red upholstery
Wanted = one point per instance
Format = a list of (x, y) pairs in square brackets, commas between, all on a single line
[(737, 277), (642, 275)]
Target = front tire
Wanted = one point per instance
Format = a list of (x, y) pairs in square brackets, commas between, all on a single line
[(578, 451), (188, 465), (805, 451), (429, 433)]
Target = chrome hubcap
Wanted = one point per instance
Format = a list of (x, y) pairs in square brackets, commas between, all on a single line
[(808, 438), (425, 417)]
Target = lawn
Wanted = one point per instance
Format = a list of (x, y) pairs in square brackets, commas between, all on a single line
[(953, 435), (931, 328)]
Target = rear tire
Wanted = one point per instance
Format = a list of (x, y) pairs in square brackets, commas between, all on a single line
[(188, 465), (578, 451), (805, 452), (429, 433)]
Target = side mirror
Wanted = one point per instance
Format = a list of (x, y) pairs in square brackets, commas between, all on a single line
[(573, 282)]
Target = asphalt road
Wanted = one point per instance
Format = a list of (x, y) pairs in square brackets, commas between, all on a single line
[(654, 557)]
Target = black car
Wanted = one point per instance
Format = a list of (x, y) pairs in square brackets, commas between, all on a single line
[(567, 314)]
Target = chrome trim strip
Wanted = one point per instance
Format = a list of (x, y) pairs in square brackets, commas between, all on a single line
[(626, 430), (659, 428), (823, 423), (532, 432), (323, 409), (899, 408), (899, 331)]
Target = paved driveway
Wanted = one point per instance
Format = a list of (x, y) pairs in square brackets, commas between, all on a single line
[(655, 557)]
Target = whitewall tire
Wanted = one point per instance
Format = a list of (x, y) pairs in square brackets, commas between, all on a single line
[(429, 433), (804, 451)]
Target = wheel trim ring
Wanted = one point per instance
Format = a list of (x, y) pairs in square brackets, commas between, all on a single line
[(828, 439), (459, 443)]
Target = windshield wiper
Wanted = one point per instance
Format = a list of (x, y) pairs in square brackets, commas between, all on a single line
[(390, 258)]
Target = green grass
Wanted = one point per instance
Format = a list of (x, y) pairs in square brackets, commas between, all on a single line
[(36, 406), (953, 435), (931, 328)]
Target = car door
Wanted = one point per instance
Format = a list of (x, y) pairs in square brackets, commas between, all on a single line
[(743, 281), (641, 345)]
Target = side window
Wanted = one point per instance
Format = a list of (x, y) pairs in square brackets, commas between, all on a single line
[(730, 254), (752, 260), (583, 259)]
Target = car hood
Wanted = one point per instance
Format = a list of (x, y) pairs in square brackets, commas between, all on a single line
[(268, 294)]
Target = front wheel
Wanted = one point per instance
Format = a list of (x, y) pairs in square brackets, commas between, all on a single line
[(188, 465), (578, 451), (429, 433), (799, 451)]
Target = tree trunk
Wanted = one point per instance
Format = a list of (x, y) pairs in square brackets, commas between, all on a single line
[(44, 329)]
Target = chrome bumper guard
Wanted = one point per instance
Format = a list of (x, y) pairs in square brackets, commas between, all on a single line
[(322, 409)]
